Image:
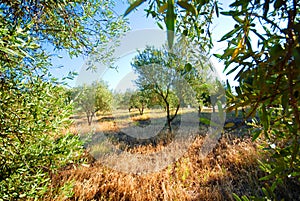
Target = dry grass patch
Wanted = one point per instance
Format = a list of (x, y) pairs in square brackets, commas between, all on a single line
[(230, 168)]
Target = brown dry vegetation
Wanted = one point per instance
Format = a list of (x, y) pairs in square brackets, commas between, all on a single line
[(230, 168)]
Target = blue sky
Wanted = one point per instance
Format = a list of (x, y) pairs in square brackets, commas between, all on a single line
[(138, 21)]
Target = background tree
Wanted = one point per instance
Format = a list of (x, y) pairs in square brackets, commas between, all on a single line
[(202, 78), (93, 98), (122, 99), (156, 73), (140, 100), (33, 110)]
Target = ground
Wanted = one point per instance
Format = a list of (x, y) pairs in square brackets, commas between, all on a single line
[(230, 167)]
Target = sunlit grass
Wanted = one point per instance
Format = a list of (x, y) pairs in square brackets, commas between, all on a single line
[(231, 167)]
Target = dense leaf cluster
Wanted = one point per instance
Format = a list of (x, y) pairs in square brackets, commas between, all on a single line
[(34, 107), (91, 99)]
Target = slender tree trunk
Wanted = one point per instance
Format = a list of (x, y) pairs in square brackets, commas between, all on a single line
[(214, 109), (89, 121), (90, 117), (199, 110), (169, 124), (178, 106), (168, 116), (141, 110)]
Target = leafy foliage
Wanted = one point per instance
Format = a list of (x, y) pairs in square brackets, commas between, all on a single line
[(34, 107), (140, 100), (93, 98), (121, 100), (76, 26), (190, 18), (33, 116), (269, 80), (156, 73)]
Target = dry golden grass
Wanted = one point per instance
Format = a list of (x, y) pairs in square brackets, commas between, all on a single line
[(230, 167)]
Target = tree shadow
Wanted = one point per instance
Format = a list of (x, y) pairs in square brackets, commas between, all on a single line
[(124, 141), (163, 137)]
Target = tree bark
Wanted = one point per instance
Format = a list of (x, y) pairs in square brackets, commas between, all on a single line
[(90, 117)]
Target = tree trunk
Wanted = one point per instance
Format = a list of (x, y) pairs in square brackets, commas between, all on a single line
[(169, 120), (141, 110), (90, 118), (214, 110), (169, 125), (178, 106), (199, 110)]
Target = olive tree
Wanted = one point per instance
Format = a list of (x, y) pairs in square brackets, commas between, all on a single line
[(34, 109), (155, 74), (93, 98), (140, 100)]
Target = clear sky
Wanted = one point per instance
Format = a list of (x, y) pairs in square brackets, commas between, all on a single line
[(138, 21)]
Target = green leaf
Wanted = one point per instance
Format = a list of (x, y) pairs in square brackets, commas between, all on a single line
[(256, 133), (170, 23), (230, 33), (205, 120), (238, 91), (202, 2), (228, 86), (237, 19), (133, 6), (159, 25), (217, 9), (230, 13), (232, 70), (188, 7), (236, 4), (188, 67), (229, 125), (265, 119), (219, 56), (236, 197), (273, 173), (245, 198), (11, 52), (228, 52), (295, 174)]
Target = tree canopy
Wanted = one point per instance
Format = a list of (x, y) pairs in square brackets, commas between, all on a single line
[(34, 108), (91, 99), (156, 73)]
